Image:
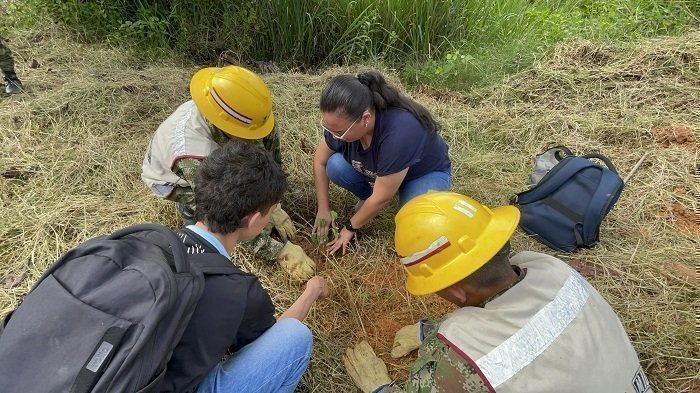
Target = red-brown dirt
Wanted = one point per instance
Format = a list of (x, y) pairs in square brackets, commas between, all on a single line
[(676, 134), (685, 219)]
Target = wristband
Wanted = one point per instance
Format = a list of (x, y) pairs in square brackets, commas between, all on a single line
[(347, 224), (380, 388), (421, 333)]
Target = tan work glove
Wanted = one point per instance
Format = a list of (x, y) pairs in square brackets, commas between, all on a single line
[(365, 368), (283, 224), (406, 340), (295, 262)]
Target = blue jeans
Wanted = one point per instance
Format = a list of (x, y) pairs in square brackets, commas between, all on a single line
[(344, 175), (274, 362)]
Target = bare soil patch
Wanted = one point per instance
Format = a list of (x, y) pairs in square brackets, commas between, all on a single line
[(685, 218), (679, 135)]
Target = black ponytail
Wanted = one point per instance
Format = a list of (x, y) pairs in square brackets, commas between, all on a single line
[(352, 95)]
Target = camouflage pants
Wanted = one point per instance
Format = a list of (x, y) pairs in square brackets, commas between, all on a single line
[(7, 64), (263, 246)]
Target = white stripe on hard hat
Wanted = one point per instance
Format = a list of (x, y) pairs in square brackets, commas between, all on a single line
[(465, 208), (228, 109), (434, 248)]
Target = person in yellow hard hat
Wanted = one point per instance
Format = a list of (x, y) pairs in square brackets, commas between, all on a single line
[(227, 103), (528, 323)]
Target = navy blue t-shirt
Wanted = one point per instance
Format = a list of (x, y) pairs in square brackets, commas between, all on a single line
[(399, 141)]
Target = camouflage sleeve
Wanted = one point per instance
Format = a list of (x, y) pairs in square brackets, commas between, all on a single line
[(264, 246), (186, 169), (439, 369), (272, 144)]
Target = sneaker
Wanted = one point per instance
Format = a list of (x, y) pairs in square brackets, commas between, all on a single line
[(12, 84)]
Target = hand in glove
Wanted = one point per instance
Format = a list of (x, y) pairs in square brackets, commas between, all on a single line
[(365, 368), (406, 340), (295, 261), (283, 224)]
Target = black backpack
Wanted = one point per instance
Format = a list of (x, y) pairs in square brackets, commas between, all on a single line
[(565, 208), (105, 317)]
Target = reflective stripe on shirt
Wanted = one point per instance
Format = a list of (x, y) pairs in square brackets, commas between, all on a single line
[(520, 349)]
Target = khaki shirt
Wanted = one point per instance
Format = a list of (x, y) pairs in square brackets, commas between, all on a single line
[(173, 158), (550, 332), (179, 144)]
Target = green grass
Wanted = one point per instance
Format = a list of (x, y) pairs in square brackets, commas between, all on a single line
[(457, 44), (509, 36), (72, 145)]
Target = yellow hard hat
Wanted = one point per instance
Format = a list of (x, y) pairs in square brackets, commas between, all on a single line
[(443, 237), (235, 100)]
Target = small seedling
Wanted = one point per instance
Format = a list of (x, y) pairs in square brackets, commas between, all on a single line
[(321, 222), (334, 226)]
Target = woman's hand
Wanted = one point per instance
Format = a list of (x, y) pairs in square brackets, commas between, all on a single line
[(323, 222), (324, 219), (342, 241)]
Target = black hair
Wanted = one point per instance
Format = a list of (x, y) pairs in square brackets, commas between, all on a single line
[(236, 180), (352, 95), (493, 272)]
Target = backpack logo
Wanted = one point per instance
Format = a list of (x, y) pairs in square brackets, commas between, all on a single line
[(100, 356)]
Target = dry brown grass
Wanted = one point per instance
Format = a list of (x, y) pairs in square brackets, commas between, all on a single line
[(71, 149)]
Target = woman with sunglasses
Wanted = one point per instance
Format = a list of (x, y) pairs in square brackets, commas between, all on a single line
[(376, 143)]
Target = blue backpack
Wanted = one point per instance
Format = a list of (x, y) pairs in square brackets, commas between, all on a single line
[(565, 208)]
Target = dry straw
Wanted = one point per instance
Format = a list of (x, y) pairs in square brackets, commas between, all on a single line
[(71, 150)]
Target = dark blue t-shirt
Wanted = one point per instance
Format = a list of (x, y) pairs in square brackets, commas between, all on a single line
[(399, 141)]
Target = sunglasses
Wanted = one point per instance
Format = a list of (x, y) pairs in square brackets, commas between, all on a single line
[(335, 134)]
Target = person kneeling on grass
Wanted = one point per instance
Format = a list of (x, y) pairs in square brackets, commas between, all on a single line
[(229, 103), (238, 187), (376, 143), (534, 325)]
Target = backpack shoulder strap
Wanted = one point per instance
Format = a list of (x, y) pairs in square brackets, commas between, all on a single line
[(568, 167), (214, 264), (558, 149), (176, 246), (603, 158), (606, 194)]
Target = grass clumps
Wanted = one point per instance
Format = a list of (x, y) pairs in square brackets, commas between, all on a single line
[(71, 149)]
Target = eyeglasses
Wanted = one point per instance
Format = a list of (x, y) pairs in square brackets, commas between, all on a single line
[(335, 134)]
